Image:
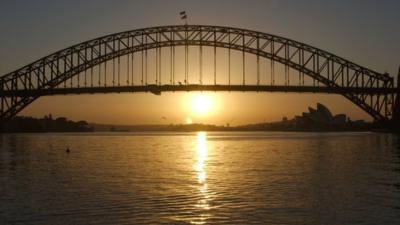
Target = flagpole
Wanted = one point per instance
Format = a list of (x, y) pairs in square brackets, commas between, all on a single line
[(184, 17)]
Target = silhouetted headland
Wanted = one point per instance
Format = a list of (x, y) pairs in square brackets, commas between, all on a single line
[(319, 119), (45, 124), (315, 119)]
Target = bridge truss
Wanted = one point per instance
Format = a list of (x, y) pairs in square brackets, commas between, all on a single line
[(148, 60)]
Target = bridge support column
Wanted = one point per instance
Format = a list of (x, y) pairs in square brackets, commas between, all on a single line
[(1, 125), (396, 110)]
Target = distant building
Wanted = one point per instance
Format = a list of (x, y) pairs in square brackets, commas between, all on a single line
[(340, 119), (320, 116)]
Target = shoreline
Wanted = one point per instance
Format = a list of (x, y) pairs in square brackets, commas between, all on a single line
[(193, 131)]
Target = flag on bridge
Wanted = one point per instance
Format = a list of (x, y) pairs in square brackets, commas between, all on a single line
[(183, 16)]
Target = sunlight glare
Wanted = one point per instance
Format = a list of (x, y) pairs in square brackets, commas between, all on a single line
[(200, 167), (202, 103), (201, 156)]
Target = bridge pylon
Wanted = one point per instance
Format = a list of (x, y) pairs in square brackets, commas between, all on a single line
[(396, 110)]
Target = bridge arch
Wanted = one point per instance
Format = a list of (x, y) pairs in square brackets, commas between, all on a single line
[(371, 91)]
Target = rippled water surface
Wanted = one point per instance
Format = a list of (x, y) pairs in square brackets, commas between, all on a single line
[(200, 178)]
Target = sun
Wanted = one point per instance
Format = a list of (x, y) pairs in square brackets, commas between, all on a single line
[(202, 104)]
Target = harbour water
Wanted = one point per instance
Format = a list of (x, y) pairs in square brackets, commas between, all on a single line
[(200, 178)]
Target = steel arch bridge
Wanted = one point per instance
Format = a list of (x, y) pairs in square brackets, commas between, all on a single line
[(96, 66)]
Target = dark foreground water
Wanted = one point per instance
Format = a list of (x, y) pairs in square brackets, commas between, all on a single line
[(200, 178)]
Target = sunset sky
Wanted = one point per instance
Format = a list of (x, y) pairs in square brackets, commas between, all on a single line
[(364, 32)]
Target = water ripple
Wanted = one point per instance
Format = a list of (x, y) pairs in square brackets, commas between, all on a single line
[(200, 178)]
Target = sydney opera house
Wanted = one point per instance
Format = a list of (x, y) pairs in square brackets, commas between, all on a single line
[(321, 115)]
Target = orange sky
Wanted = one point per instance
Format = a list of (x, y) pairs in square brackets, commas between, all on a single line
[(352, 30), (235, 108)]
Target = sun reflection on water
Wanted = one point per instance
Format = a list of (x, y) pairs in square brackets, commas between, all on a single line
[(200, 167), (201, 157)]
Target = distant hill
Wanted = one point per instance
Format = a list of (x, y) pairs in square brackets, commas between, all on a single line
[(157, 127), (319, 119), (45, 124)]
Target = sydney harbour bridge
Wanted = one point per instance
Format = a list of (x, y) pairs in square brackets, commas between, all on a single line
[(198, 58)]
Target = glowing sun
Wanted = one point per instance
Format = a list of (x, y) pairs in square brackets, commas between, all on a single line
[(202, 104)]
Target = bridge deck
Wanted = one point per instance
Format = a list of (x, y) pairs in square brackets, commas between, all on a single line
[(158, 89)]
